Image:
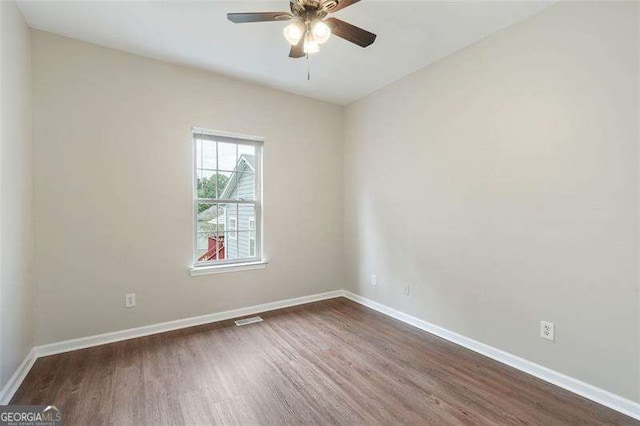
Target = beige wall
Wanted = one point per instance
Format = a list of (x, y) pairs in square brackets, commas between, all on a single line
[(113, 188), (16, 190), (501, 183)]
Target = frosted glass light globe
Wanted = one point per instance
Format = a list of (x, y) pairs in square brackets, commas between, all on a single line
[(310, 44), (321, 31), (294, 32)]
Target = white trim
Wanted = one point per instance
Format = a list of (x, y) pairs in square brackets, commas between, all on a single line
[(116, 336), (601, 396), (226, 263), (197, 271), (18, 376), (231, 135)]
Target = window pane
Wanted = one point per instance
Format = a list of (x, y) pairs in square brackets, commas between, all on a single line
[(252, 246), (252, 237), (248, 152), (246, 217), (202, 174), (206, 154), (227, 154), (241, 187), (239, 246), (231, 239), (223, 182), (232, 219), (210, 232), (211, 184)]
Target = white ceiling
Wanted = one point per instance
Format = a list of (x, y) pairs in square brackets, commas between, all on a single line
[(411, 34)]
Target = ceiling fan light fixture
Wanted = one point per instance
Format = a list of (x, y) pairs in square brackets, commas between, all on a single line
[(321, 31), (310, 44), (310, 27), (294, 32)]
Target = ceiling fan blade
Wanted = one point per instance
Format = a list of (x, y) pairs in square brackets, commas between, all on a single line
[(296, 6), (297, 51), (350, 32), (243, 18), (335, 5)]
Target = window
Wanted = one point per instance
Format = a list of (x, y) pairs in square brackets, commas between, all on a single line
[(227, 198)]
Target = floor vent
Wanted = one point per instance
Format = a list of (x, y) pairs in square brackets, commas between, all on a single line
[(246, 321)]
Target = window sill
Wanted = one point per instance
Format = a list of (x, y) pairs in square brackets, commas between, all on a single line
[(223, 269)]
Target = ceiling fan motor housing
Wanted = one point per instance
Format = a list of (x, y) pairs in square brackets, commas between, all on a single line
[(329, 5)]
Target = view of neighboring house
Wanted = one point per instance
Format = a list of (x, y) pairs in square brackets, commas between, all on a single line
[(227, 231), (211, 226)]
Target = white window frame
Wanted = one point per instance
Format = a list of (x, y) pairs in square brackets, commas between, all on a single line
[(214, 266)]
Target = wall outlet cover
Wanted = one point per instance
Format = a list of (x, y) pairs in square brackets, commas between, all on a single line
[(547, 330), (130, 300)]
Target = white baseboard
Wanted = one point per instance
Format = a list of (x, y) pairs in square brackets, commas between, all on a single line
[(586, 390), (18, 376), (116, 336), (601, 396)]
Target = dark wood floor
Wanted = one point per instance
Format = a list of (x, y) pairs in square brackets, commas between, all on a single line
[(326, 362)]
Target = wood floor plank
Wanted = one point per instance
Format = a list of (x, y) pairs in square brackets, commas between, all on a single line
[(330, 362)]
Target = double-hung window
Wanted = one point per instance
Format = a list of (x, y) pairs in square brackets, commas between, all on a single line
[(227, 198)]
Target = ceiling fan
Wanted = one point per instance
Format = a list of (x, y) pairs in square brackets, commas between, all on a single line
[(310, 26)]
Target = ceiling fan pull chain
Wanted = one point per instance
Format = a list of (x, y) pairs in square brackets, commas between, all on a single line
[(308, 68)]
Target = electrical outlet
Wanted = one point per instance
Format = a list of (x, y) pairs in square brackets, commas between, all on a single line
[(547, 330), (406, 289), (374, 279), (130, 300)]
